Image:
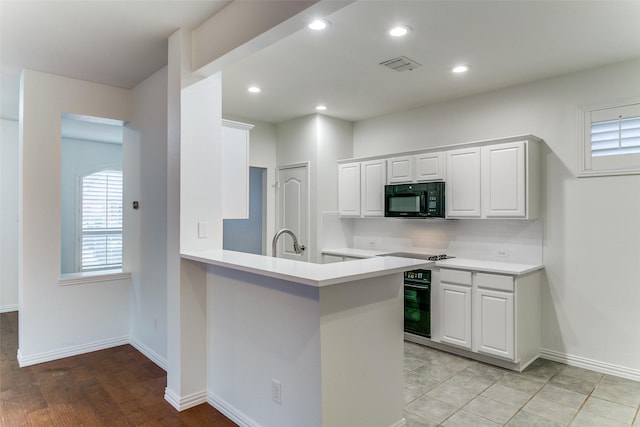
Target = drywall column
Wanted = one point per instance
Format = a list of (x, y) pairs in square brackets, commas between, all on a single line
[(194, 208)]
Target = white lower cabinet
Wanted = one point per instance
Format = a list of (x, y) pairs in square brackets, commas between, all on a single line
[(495, 316), (455, 307), (495, 322), (456, 312)]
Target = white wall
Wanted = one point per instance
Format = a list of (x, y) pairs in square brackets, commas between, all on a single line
[(252, 340), (56, 320), (476, 239), (336, 350), (297, 143), (590, 226), (321, 141), (146, 138), (335, 142), (9, 215)]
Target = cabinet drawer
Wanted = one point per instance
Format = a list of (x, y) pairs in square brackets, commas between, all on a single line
[(455, 276), (494, 281)]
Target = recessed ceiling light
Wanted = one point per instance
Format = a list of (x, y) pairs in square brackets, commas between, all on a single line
[(321, 107), (318, 24), (254, 89), (399, 31), (460, 69)]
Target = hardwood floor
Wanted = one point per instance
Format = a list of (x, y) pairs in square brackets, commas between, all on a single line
[(113, 387)]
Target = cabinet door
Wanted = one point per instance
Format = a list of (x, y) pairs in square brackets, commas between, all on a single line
[(455, 314), (373, 178), (400, 169), (430, 166), (503, 180), (349, 189), (463, 183), (235, 169), (494, 321)]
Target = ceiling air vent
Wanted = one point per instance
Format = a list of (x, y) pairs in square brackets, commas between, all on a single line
[(401, 63)]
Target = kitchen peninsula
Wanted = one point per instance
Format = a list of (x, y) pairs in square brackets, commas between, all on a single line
[(293, 343)]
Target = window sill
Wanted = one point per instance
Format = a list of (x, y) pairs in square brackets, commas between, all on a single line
[(607, 172), (93, 277)]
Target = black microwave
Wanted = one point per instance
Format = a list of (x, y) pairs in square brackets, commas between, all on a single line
[(420, 200)]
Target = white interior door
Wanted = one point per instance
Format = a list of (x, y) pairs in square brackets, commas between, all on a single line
[(293, 210)]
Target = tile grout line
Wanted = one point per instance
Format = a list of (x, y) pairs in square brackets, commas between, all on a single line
[(474, 397), (585, 400), (521, 409), (544, 382)]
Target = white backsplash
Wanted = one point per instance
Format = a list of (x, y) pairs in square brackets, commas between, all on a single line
[(516, 241)]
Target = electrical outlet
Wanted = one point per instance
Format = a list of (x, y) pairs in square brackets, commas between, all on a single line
[(276, 391), (502, 253), (372, 243)]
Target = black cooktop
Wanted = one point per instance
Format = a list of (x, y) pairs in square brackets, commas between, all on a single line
[(416, 255)]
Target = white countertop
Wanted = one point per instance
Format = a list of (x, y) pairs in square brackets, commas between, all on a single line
[(513, 269), (307, 273), (489, 266), (354, 253)]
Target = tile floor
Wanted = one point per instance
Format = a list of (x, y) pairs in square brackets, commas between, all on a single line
[(448, 390)]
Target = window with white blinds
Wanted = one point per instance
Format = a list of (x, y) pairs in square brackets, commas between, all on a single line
[(101, 221), (615, 137), (611, 139)]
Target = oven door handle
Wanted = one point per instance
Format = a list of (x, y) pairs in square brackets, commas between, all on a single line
[(413, 286)]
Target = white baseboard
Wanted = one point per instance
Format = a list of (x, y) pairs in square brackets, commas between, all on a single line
[(230, 411), (8, 308), (182, 403), (594, 365), (69, 351), (150, 354)]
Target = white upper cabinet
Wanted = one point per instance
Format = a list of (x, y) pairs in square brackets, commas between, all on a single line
[(489, 179), (430, 166), (494, 181), (235, 169), (349, 189), (400, 169), (503, 180), (361, 188), (463, 183), (373, 178)]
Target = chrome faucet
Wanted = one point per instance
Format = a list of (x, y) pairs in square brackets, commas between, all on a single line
[(274, 244)]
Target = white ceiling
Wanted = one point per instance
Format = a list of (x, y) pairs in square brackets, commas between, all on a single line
[(505, 42), (119, 43)]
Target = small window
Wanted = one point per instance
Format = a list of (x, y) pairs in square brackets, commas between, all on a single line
[(101, 221), (610, 139)]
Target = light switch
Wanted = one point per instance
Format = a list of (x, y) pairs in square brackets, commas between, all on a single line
[(203, 230)]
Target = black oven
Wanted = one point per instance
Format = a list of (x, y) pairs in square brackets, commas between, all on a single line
[(421, 200), (417, 302)]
